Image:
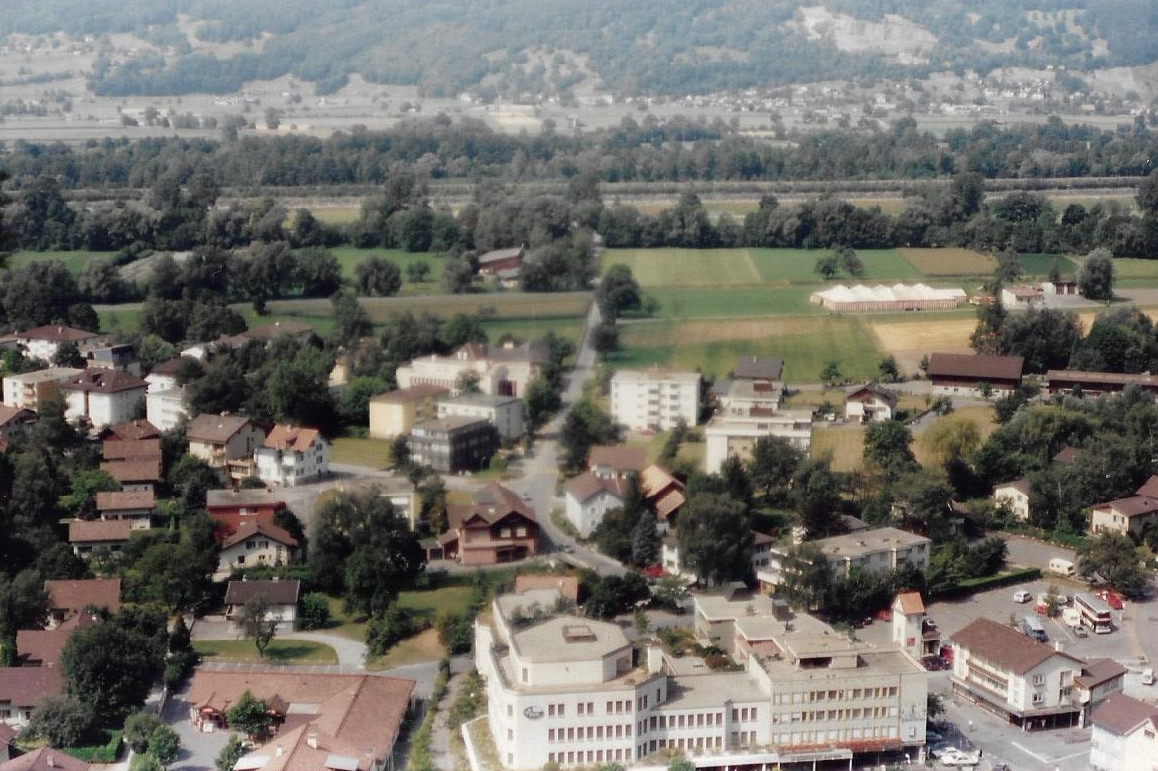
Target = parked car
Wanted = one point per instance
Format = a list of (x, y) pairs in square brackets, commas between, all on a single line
[(1080, 631), (1147, 676), (939, 752), (1022, 596), (1112, 598), (959, 758)]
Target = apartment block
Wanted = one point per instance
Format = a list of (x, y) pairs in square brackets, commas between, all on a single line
[(654, 399), (504, 412)]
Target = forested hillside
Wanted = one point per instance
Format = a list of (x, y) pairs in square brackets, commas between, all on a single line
[(550, 46)]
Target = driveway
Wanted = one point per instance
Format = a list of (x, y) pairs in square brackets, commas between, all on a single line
[(199, 750)]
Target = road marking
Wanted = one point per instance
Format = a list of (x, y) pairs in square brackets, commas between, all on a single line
[(1031, 753)]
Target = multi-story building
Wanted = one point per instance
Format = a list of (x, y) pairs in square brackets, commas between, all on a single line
[(292, 455), (504, 412), (254, 544), (225, 442), (87, 537), (456, 444), (165, 398), (26, 389), (44, 342), (135, 506), (878, 550), (734, 435), (1131, 515), (1023, 681), (655, 399), (396, 412), (572, 691), (1015, 496), (1125, 735), (498, 371), (103, 397), (497, 526)]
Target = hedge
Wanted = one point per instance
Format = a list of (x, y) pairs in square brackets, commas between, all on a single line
[(985, 583)]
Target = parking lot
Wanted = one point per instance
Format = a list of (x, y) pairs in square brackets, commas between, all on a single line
[(1132, 644)]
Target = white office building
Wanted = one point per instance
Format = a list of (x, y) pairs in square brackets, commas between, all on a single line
[(654, 399)]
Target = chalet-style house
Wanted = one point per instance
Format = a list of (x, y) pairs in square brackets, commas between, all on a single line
[(134, 474), (87, 537), (1015, 496), (254, 544), (292, 455), (14, 421), (229, 508), (604, 486), (103, 397), (497, 526), (966, 374), (133, 430), (44, 342), (226, 443), (68, 598), (282, 597), (870, 403), (134, 506)]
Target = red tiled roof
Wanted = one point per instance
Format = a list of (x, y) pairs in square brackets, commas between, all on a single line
[(214, 429), (491, 504), (618, 457), (133, 471), (1005, 646), (1122, 715), (98, 531), (296, 438), (975, 367), (27, 686), (268, 529), (131, 449), (1149, 488), (45, 759), (99, 380), (10, 414), (55, 333), (125, 500), (131, 431), (1067, 454), (77, 595), (910, 602)]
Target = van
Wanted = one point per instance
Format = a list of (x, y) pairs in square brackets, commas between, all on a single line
[(1071, 617), (1061, 566), (1032, 627), (1147, 676)]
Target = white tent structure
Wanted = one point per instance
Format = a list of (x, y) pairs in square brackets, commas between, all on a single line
[(898, 297)]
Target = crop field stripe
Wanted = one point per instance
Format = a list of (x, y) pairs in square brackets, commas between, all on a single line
[(686, 267)]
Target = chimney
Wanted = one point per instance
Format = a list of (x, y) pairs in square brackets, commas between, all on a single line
[(312, 740)]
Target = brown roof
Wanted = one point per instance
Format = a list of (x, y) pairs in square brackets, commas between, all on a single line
[(133, 430), (1149, 488), (1020, 485), (214, 429), (910, 602), (1099, 671), (169, 367), (125, 500), (1004, 646), (131, 449), (42, 646), (1121, 379), (99, 380), (618, 457), (296, 438), (1067, 454), (277, 592), (77, 595), (45, 759), (758, 368), (412, 394), (10, 414), (249, 529), (975, 366), (873, 389), (133, 471), (1122, 715), (98, 531), (587, 485), (567, 585), (1132, 506), (56, 334), (27, 686), (491, 504), (663, 491)]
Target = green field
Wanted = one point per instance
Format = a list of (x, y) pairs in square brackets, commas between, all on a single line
[(350, 256), (799, 266), (278, 652), (371, 453), (728, 302), (1130, 268), (686, 267), (1040, 264), (74, 261)]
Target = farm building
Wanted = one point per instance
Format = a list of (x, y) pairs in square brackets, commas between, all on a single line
[(898, 297), (1022, 296), (1069, 380), (965, 374)]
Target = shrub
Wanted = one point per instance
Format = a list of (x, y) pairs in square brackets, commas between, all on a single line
[(315, 611)]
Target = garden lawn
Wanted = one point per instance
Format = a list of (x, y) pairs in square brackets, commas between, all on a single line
[(799, 266), (844, 443), (805, 344), (424, 646), (74, 261), (278, 652), (115, 318), (371, 453), (685, 267)]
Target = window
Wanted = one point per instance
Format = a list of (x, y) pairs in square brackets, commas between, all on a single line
[(1039, 679), (581, 705)]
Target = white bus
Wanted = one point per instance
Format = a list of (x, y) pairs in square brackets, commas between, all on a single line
[(1096, 614)]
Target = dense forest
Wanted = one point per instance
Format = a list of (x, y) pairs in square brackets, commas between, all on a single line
[(644, 47)]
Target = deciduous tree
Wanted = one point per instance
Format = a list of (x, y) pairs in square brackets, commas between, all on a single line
[(258, 621)]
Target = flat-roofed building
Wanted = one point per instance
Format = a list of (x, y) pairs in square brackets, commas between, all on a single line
[(734, 436), (504, 412), (655, 399), (877, 550), (454, 444), (395, 413), (26, 389)]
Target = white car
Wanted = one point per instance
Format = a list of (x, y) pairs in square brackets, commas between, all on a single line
[(938, 752), (959, 758), (1022, 596)]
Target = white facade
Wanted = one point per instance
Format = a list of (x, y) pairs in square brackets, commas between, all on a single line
[(730, 436), (504, 412), (1015, 495), (25, 389), (166, 409), (585, 515), (1125, 735), (252, 551), (654, 399), (501, 372), (104, 409), (289, 467), (878, 550)]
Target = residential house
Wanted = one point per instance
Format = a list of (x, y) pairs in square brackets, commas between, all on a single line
[(503, 264), (454, 445), (22, 689), (131, 449), (1021, 296), (1130, 515), (616, 461), (505, 413), (664, 494), (504, 370), (134, 474), (1125, 735), (396, 412), (292, 455), (742, 398), (1014, 496), (323, 722), (254, 544), (672, 561), (870, 403), (103, 397), (26, 389), (1060, 287), (655, 399), (399, 490), (87, 537), (15, 421), (1023, 681), (68, 598), (165, 398), (132, 431), (45, 759), (588, 498), (603, 487), (967, 374), (282, 597), (1067, 381), (229, 508), (134, 506), (497, 526), (44, 342), (226, 443), (1067, 456), (267, 333), (877, 550), (769, 369), (734, 436), (1100, 679), (120, 356), (912, 630)]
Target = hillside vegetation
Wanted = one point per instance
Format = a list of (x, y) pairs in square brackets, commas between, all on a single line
[(568, 47)]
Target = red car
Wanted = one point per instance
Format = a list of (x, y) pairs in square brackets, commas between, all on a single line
[(1112, 598)]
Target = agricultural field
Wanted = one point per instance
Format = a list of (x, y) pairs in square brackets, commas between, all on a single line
[(844, 443), (74, 261), (949, 262), (1041, 264), (349, 257), (799, 266), (909, 340)]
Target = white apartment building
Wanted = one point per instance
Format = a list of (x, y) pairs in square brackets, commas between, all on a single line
[(570, 690), (44, 342), (103, 397), (728, 436), (1125, 736), (291, 455), (654, 399), (501, 371), (878, 550), (27, 388), (504, 412), (165, 398), (1026, 682)]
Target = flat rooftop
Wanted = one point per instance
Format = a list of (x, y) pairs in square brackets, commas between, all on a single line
[(711, 689), (869, 542), (871, 662), (716, 607), (568, 638)]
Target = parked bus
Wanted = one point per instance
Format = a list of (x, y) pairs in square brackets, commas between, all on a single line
[(1033, 628), (1096, 614)]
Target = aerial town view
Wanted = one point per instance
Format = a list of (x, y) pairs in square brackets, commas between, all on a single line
[(552, 385)]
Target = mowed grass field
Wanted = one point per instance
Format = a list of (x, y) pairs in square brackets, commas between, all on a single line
[(949, 262), (74, 261)]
